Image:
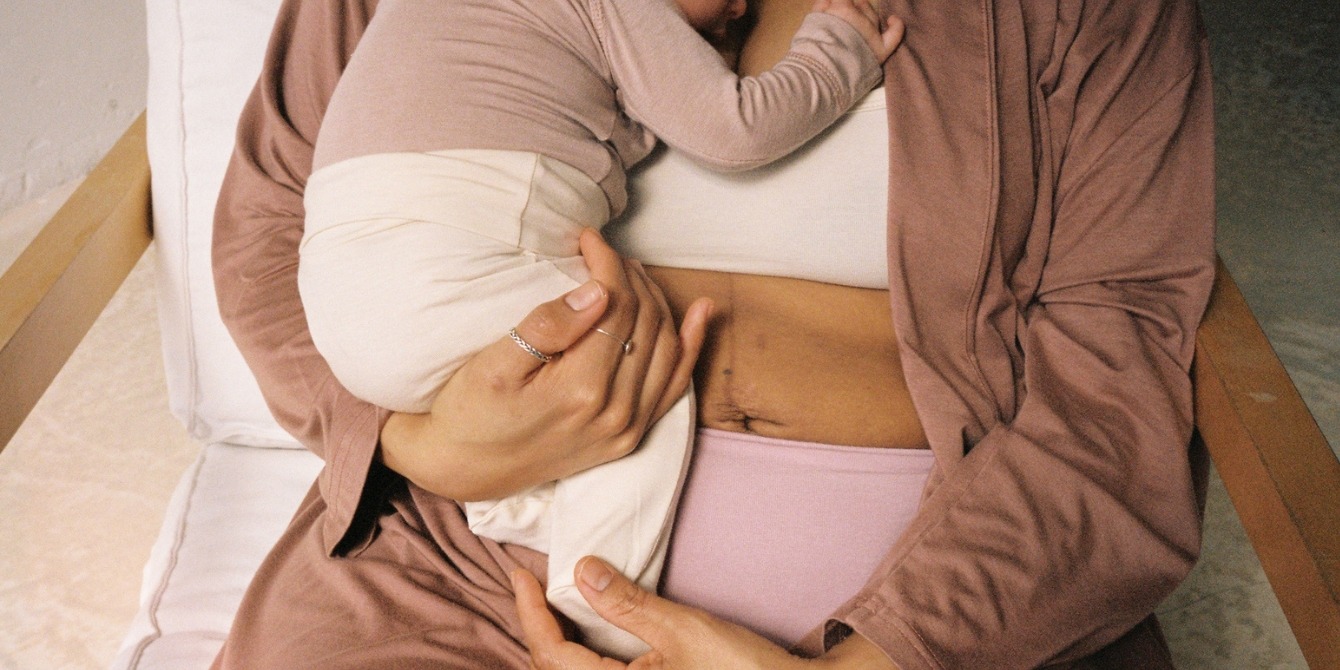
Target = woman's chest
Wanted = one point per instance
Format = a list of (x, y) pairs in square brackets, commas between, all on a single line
[(819, 214)]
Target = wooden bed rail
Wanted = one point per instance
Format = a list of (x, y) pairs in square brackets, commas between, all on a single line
[(1280, 473), (54, 291)]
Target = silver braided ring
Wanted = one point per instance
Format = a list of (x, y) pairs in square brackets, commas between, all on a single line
[(626, 344), (544, 358)]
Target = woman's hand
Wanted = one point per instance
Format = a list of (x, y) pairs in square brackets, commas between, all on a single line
[(507, 421), (883, 37), (679, 636)]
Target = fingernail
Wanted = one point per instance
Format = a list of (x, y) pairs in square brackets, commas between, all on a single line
[(596, 574), (584, 296)]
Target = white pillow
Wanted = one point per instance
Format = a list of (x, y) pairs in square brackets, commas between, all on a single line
[(204, 58)]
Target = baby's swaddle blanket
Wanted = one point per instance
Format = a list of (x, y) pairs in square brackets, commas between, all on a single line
[(411, 263)]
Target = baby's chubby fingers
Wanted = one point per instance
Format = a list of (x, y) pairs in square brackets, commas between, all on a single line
[(889, 38), (882, 36)]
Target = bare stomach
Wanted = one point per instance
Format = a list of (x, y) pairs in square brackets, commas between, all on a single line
[(797, 360)]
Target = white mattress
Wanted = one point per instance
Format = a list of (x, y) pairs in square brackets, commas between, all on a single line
[(228, 509)]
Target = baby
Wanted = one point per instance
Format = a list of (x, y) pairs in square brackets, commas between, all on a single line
[(468, 143)]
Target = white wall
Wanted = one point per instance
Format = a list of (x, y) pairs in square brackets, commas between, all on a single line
[(72, 77)]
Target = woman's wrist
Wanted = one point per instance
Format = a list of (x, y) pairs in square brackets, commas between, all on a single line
[(856, 652), (418, 448), (410, 448), (401, 444)]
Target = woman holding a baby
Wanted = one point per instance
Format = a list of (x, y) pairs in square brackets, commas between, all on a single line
[(939, 359)]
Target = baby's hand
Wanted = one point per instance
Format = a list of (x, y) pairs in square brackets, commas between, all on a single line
[(862, 16)]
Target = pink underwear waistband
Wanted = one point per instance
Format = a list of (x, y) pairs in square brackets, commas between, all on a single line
[(775, 534)]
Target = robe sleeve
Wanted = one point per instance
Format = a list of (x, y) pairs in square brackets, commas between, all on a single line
[(1066, 522), (677, 86), (258, 225)]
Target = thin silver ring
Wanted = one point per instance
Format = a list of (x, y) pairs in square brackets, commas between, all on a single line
[(544, 358), (626, 344)]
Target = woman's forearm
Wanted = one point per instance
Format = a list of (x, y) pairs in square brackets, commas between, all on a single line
[(258, 224)]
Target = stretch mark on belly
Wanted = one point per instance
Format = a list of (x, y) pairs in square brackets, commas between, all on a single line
[(731, 393)]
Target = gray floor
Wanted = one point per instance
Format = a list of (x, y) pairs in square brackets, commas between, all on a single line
[(1277, 99)]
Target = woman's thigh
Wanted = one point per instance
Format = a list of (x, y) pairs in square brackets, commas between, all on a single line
[(424, 593)]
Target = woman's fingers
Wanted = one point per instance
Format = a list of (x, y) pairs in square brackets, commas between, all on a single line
[(543, 636), (624, 604), (551, 328), (511, 420), (609, 268), (669, 377), (555, 326), (692, 334), (660, 366), (680, 636), (593, 403), (537, 622), (591, 368), (638, 381)]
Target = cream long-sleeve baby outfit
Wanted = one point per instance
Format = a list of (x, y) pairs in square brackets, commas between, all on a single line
[(466, 145)]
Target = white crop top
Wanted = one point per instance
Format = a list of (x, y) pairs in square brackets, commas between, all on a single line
[(819, 214)]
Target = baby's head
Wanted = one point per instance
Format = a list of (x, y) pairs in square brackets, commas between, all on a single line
[(710, 17)]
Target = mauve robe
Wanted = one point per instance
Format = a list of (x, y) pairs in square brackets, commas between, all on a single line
[(1050, 254)]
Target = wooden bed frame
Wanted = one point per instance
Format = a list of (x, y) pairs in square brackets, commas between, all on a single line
[(1280, 473)]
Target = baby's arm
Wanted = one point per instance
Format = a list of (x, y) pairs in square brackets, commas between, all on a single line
[(676, 85)]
